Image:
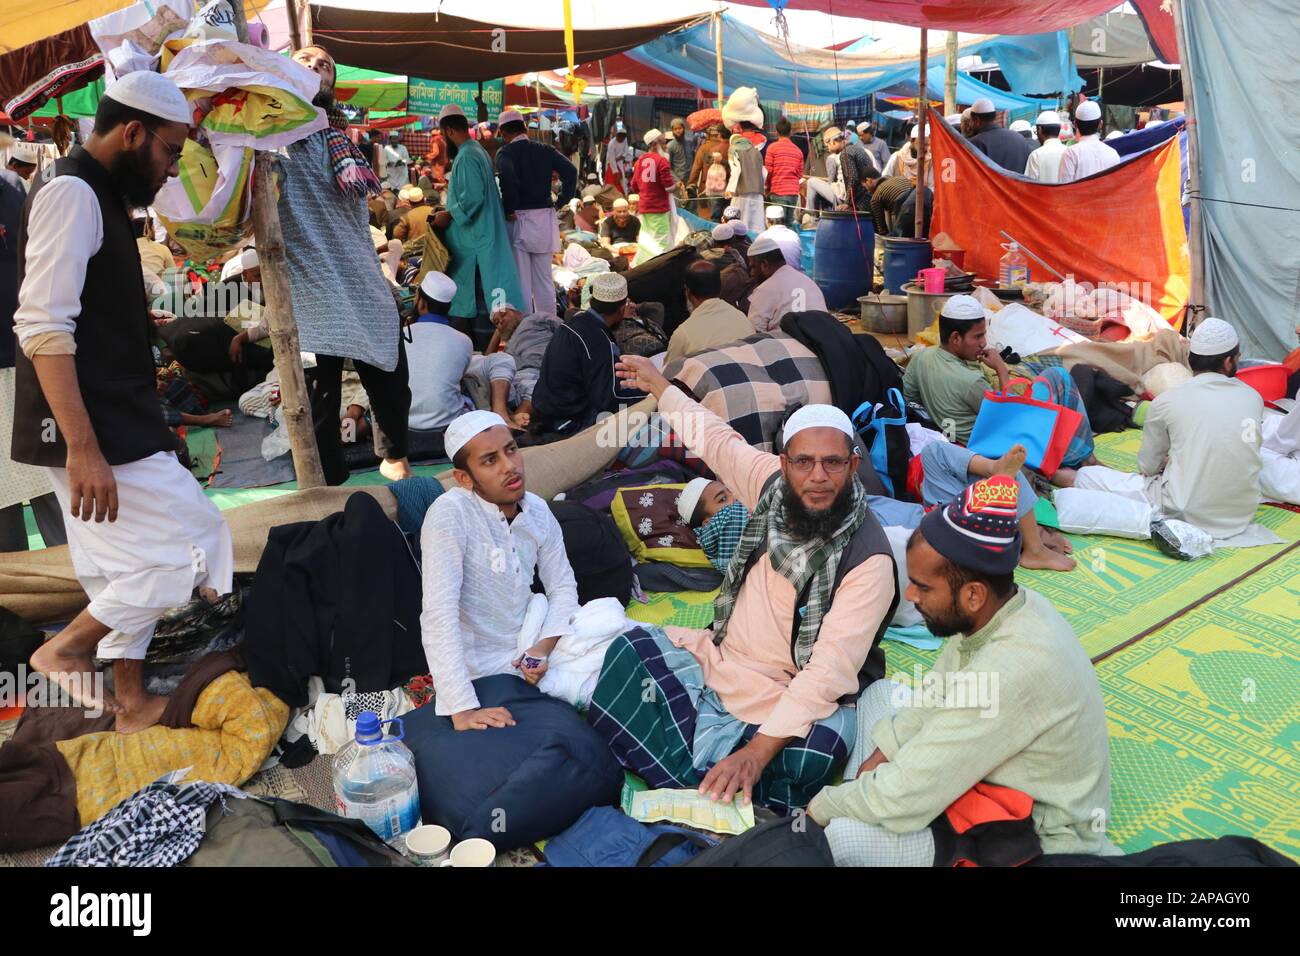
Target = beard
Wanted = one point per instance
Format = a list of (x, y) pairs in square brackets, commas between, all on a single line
[(324, 98), (951, 622), (133, 178), (804, 524)]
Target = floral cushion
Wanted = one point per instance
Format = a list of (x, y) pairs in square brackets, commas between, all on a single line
[(647, 518)]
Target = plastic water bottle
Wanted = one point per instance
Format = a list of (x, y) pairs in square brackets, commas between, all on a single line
[(1013, 269), (374, 780)]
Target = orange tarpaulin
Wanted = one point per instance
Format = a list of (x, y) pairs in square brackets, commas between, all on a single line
[(1122, 227)]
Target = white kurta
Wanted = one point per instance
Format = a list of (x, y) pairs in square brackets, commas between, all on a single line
[(1200, 457), (167, 540), (478, 576), (1086, 157), (1279, 479), (1044, 163)]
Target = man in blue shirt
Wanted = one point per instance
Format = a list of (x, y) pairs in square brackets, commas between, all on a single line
[(438, 357)]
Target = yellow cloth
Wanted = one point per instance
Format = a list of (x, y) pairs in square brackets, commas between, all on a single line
[(235, 727), (154, 256), (50, 343)]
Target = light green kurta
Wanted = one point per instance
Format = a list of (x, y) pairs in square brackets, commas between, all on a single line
[(1038, 725), (477, 237)]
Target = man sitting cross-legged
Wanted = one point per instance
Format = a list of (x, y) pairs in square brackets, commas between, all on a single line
[(482, 541), (754, 705), (1012, 701)]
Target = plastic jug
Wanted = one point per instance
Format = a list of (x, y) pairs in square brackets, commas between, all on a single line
[(932, 280), (374, 780), (1013, 269)]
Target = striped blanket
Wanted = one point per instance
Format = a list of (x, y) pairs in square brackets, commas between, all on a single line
[(751, 382)]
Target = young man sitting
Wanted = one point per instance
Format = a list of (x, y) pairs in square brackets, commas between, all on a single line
[(1038, 725), (1200, 456), (755, 704), (483, 541), (438, 356)]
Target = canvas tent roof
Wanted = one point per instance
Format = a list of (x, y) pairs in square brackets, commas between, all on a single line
[(450, 40), (976, 16)]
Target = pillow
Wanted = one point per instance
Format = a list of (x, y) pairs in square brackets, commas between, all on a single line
[(654, 531), (513, 785)]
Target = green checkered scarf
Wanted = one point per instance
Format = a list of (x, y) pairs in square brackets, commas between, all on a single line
[(796, 561)]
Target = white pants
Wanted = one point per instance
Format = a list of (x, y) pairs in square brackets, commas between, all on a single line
[(534, 238), (1101, 478), (167, 540), (1279, 478)]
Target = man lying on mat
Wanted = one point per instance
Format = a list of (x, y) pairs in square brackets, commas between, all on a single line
[(755, 705), (1012, 701)]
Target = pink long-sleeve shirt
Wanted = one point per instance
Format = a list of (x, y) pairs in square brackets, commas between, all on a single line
[(753, 670)]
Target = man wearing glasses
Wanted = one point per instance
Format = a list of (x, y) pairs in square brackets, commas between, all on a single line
[(86, 406), (755, 705)]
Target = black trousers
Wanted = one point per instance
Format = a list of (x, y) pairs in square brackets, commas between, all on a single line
[(49, 522), (390, 409)]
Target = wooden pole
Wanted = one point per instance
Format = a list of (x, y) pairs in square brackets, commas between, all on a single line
[(922, 113), (950, 76), (1195, 248), (278, 314), (717, 50), (295, 28)]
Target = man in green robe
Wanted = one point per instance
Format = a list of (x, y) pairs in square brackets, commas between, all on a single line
[(474, 229)]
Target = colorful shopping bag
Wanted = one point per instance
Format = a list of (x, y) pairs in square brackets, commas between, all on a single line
[(1045, 429), (884, 432)]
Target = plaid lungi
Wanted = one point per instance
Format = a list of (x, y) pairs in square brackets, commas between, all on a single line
[(664, 725)]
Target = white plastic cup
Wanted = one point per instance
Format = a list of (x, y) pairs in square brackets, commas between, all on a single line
[(475, 852), (428, 845)]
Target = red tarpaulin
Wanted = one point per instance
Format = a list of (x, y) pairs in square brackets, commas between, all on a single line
[(967, 16), (1160, 28), (1121, 227)]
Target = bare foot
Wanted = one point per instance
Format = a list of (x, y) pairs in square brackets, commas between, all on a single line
[(1056, 541), (74, 674), (395, 469), (1010, 463), (140, 714), (222, 419), (1045, 559)]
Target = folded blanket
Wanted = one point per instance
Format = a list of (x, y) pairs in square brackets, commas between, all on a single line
[(574, 665)]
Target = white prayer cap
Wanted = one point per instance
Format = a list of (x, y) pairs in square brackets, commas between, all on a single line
[(952, 119), (1088, 111), (438, 287), (1114, 134), (963, 308), (574, 203), (1048, 118), (25, 152), (608, 287), (509, 116), (503, 307), (982, 106), (864, 125), (1214, 337), (451, 109), (1021, 126), (416, 194), (464, 428), (762, 245), (816, 416), (620, 203), (916, 131), (236, 265), (730, 213), (723, 232), (405, 193), (151, 93), (633, 197), (690, 497), (652, 137), (774, 212)]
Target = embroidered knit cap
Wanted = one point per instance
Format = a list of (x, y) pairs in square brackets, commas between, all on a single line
[(979, 530)]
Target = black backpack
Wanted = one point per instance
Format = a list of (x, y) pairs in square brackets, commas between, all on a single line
[(601, 561)]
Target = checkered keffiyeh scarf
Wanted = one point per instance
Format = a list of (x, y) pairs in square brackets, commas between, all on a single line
[(352, 172), (799, 562), (160, 825)]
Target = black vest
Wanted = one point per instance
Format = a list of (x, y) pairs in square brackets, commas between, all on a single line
[(114, 335), (868, 541)]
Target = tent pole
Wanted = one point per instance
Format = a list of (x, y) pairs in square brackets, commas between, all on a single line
[(280, 323), (305, 21), (1195, 248), (717, 50), (922, 113), (295, 30), (950, 77)]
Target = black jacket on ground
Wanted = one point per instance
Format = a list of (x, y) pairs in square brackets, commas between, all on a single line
[(856, 365), (577, 381), (338, 598)]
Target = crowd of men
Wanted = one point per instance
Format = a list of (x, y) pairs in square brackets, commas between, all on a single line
[(783, 700)]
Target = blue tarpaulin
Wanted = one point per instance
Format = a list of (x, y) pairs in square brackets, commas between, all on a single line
[(758, 61), (1246, 90)]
